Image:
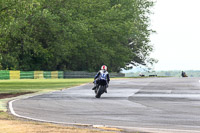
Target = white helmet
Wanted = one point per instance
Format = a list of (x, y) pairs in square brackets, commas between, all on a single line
[(104, 67)]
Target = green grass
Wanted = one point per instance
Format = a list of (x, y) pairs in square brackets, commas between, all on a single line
[(38, 85)]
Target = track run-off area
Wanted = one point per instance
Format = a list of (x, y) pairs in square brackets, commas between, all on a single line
[(136, 104)]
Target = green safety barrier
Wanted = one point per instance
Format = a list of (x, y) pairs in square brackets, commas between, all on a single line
[(26, 74), (47, 74), (4, 74), (60, 74)]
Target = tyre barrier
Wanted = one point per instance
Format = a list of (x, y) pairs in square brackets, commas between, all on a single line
[(6, 74), (10, 74)]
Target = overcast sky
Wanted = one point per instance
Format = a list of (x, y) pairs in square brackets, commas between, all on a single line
[(177, 42)]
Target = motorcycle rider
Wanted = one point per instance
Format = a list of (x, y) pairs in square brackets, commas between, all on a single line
[(101, 75)]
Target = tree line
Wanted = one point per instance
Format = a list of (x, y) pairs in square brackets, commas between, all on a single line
[(74, 34)]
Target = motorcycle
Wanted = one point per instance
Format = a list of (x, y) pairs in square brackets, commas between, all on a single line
[(101, 88)]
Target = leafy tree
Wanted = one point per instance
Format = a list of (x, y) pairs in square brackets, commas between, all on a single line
[(74, 34)]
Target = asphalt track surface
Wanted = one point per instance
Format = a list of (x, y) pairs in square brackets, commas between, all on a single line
[(144, 104)]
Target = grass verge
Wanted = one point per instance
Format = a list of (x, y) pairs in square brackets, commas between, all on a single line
[(38, 85), (10, 124)]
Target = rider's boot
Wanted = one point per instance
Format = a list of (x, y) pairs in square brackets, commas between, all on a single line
[(94, 87), (106, 89)]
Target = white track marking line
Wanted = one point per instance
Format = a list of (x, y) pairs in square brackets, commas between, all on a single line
[(15, 114), (34, 119), (155, 130), (151, 130), (169, 95)]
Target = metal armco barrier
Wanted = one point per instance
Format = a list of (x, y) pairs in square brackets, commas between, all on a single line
[(79, 74), (83, 74)]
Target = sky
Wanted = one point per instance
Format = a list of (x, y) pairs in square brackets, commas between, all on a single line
[(177, 41)]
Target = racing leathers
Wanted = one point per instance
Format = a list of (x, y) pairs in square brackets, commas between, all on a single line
[(101, 75)]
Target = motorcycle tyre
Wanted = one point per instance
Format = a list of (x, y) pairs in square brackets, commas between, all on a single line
[(100, 91)]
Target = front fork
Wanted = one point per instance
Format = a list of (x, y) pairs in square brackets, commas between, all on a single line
[(97, 86)]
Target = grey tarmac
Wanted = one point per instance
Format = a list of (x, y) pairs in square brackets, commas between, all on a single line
[(159, 105)]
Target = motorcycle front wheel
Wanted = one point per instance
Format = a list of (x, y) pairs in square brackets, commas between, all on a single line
[(100, 91)]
